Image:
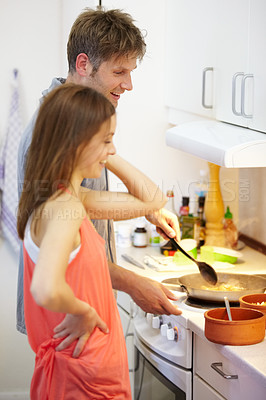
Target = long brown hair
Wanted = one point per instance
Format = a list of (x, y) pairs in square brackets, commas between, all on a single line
[(68, 118), (102, 35)]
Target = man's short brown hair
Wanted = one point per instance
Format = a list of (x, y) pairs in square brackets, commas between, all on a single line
[(103, 35)]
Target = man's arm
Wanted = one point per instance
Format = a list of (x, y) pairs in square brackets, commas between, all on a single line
[(151, 296), (141, 187)]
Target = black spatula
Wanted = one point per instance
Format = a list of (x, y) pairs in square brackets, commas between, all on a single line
[(206, 271)]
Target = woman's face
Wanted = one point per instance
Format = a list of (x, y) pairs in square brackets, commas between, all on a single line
[(95, 154)]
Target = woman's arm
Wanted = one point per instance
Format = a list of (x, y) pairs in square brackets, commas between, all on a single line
[(49, 287), (58, 235), (143, 198), (166, 223)]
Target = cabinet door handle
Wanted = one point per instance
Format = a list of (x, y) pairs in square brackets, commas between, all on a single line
[(237, 74), (208, 106), (216, 368), (243, 95)]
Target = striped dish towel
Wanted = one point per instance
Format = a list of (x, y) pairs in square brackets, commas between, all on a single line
[(8, 170)]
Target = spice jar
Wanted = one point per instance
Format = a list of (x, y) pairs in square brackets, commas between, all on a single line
[(140, 235)]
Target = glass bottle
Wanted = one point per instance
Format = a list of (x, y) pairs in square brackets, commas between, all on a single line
[(230, 230), (185, 221), (184, 209), (154, 236), (202, 185), (170, 205), (200, 222), (201, 188)]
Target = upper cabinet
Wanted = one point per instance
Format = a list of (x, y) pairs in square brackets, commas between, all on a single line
[(190, 56), (216, 60), (241, 64), (231, 64), (257, 63)]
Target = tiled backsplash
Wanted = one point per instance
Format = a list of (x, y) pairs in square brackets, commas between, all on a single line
[(252, 207)]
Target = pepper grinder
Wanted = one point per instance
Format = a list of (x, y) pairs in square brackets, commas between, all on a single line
[(214, 209)]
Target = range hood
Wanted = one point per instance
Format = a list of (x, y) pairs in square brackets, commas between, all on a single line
[(220, 143)]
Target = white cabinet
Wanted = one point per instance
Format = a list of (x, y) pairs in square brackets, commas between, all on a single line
[(241, 64), (257, 63), (217, 377), (190, 54), (227, 40), (126, 308), (202, 391), (231, 59)]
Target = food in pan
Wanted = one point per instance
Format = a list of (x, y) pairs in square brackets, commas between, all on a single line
[(224, 287)]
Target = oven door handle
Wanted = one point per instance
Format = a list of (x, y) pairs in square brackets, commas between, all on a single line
[(216, 368)]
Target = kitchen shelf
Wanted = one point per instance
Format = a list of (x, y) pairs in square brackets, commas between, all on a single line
[(220, 143)]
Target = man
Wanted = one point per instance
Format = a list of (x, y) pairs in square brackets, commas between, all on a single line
[(103, 49)]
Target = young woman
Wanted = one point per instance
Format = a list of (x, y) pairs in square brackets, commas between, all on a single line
[(65, 266)]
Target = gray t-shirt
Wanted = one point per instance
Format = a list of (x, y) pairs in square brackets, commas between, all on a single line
[(103, 227)]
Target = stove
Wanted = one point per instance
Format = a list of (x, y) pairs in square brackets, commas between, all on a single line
[(191, 303), (163, 356), (166, 344)]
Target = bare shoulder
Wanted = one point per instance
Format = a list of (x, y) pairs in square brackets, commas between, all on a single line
[(61, 217), (66, 208)]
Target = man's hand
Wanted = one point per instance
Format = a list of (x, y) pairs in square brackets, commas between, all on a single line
[(79, 327), (166, 223), (152, 296)]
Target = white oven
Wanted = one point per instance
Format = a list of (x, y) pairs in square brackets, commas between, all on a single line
[(163, 357)]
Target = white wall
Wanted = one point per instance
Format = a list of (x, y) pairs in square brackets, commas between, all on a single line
[(29, 41), (33, 36), (142, 118), (16, 357), (30, 38), (252, 210)]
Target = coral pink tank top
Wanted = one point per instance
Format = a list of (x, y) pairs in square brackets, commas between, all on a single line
[(101, 371)]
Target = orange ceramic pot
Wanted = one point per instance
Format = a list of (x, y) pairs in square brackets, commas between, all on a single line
[(251, 300), (247, 326)]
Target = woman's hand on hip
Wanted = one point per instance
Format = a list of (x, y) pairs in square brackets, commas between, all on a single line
[(78, 327)]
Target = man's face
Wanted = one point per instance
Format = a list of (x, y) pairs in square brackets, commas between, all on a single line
[(113, 78)]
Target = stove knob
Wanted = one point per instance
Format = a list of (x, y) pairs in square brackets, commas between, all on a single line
[(164, 328), (149, 318), (172, 334), (157, 322)]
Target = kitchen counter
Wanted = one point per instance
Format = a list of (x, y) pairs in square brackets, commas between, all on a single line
[(251, 262), (251, 359)]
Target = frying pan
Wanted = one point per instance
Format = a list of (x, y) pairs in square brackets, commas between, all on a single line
[(193, 283)]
